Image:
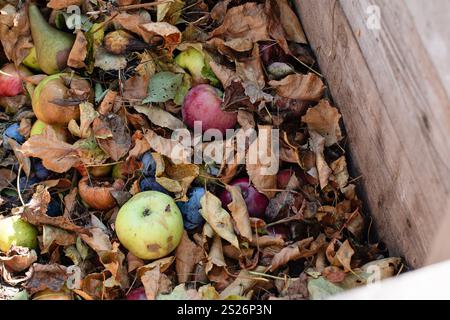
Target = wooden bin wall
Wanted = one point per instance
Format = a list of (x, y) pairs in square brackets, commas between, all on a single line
[(392, 86)]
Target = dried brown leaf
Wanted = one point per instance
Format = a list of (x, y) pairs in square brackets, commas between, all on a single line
[(318, 146), (98, 240), (239, 212), (18, 259), (61, 4), (262, 160), (243, 26), (133, 262), (324, 119), (52, 235), (161, 117), (243, 283), (187, 255), (112, 135), (7, 177), (79, 51), (56, 155), (170, 34), (307, 87), (215, 254), (46, 276), (218, 218)]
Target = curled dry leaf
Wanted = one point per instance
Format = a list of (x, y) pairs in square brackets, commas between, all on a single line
[(56, 155), (324, 119), (21, 156), (52, 235), (98, 240), (215, 254), (79, 51), (307, 87), (7, 177), (317, 146), (18, 259), (133, 262), (340, 173), (187, 255), (16, 35), (131, 22), (161, 117), (262, 161), (238, 209), (87, 116), (242, 26), (170, 34), (218, 218), (46, 276), (35, 213), (155, 282), (112, 135), (162, 264), (289, 21), (243, 283), (343, 256), (113, 261)]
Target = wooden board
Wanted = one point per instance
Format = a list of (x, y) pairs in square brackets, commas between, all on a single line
[(392, 88)]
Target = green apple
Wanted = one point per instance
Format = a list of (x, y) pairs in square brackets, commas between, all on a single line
[(193, 61), (150, 225), (39, 126), (15, 231)]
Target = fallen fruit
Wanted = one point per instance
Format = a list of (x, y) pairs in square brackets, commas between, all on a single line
[(137, 294), (39, 126), (11, 83), (52, 45), (17, 232), (148, 165), (40, 171), (121, 42), (202, 103), (150, 183), (256, 201), (98, 195), (100, 171), (193, 61), (48, 294), (54, 208), (283, 178), (26, 183), (55, 103), (190, 209), (31, 60), (12, 132), (279, 230), (149, 225)]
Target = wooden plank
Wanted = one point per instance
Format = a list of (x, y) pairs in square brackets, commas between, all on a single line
[(428, 283), (396, 111)]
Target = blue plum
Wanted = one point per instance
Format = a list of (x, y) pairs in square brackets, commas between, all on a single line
[(27, 183), (40, 171), (54, 208), (190, 209), (12, 132), (149, 183), (148, 165)]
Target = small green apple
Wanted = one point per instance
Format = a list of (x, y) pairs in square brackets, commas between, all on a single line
[(15, 231), (193, 61), (39, 126), (150, 225)]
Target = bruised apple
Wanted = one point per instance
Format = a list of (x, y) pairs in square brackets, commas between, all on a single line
[(202, 103), (57, 97), (149, 225)]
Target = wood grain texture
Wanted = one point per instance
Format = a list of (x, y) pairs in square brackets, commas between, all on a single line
[(396, 110)]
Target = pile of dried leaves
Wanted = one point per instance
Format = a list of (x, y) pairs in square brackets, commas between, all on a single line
[(314, 240)]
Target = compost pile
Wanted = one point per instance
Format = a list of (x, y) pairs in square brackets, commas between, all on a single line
[(100, 195)]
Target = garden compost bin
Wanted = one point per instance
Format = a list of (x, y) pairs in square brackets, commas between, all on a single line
[(386, 67), (386, 63)]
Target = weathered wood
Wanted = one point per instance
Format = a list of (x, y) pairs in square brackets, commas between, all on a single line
[(389, 86)]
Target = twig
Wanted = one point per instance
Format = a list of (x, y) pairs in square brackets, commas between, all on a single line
[(18, 185), (132, 7)]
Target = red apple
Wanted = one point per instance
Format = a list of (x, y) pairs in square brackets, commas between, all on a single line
[(283, 178), (256, 201), (137, 294), (11, 80), (202, 103)]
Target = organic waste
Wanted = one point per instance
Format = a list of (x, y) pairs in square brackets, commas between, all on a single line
[(118, 128)]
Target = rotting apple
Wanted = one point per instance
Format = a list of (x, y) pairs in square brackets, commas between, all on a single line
[(57, 97), (11, 83), (39, 126), (283, 178), (202, 103), (98, 194), (193, 61), (149, 225), (256, 201), (15, 231), (47, 294)]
